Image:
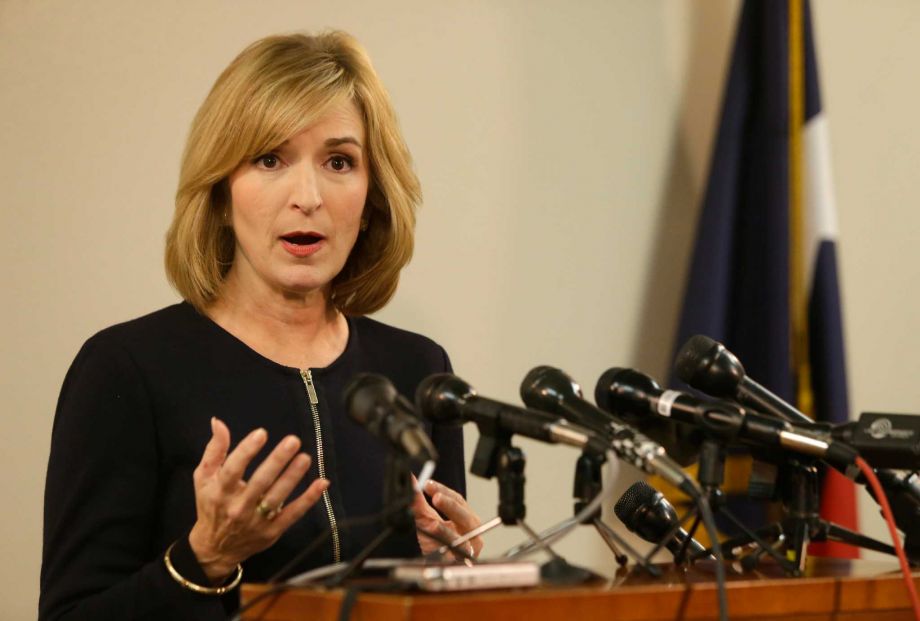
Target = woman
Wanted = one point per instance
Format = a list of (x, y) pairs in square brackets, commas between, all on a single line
[(294, 216)]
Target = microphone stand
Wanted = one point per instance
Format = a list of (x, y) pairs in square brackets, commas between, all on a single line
[(496, 457), (588, 483), (711, 474), (803, 523), (903, 491), (397, 488)]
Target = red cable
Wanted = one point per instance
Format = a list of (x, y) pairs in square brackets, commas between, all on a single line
[(886, 511)]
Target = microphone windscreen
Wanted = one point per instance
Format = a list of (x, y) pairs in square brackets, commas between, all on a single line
[(639, 495), (439, 397), (705, 364), (365, 394), (688, 359)]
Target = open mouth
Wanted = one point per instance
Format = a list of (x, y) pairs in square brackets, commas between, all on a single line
[(302, 239)]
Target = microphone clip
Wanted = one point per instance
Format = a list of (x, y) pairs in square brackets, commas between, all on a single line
[(496, 457)]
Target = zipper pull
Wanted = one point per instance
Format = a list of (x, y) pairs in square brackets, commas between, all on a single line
[(311, 391)]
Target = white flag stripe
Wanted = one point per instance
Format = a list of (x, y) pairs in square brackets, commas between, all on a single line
[(820, 206)]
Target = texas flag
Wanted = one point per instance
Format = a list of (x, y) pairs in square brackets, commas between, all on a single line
[(763, 278)]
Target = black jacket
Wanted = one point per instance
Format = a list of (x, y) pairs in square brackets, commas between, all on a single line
[(132, 421)]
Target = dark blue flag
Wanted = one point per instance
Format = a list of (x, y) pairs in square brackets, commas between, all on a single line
[(763, 277)]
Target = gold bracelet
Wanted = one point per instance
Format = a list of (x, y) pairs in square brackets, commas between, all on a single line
[(197, 588)]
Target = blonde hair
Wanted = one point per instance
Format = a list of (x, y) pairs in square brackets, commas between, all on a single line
[(276, 88)]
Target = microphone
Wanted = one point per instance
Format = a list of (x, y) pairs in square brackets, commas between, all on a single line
[(705, 364), (372, 401), (884, 440), (682, 442), (646, 512), (891, 441), (618, 391), (550, 389), (444, 397)]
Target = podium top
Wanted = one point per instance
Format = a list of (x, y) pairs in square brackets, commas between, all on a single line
[(831, 588)]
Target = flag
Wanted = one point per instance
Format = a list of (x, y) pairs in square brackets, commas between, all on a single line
[(763, 277)]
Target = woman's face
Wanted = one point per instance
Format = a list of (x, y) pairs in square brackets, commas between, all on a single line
[(296, 211)]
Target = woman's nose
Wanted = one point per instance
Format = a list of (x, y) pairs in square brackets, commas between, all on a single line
[(306, 193)]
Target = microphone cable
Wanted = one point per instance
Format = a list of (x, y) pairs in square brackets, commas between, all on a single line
[(398, 505), (321, 572), (705, 516), (346, 524), (889, 519), (275, 580), (704, 511), (709, 523)]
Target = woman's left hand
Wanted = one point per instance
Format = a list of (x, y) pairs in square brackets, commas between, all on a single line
[(460, 518)]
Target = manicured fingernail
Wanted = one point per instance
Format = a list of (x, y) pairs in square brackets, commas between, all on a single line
[(431, 484), (290, 443), (259, 434), (325, 484), (213, 424)]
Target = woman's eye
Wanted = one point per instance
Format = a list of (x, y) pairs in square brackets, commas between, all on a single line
[(269, 160), (340, 163)]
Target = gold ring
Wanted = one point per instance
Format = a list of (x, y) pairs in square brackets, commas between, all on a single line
[(266, 510)]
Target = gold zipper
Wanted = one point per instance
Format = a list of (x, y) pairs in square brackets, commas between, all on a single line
[(307, 377)]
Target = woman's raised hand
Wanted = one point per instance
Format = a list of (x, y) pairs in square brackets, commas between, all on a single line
[(238, 518)]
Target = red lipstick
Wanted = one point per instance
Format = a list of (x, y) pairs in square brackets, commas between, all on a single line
[(302, 243)]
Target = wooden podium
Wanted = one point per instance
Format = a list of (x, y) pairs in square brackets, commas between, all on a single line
[(832, 589)]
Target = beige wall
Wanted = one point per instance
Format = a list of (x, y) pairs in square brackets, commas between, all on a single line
[(562, 146)]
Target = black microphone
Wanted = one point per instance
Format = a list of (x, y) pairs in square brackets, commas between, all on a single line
[(550, 389), (884, 440), (705, 364), (374, 403), (891, 441), (444, 397), (617, 391), (646, 512)]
